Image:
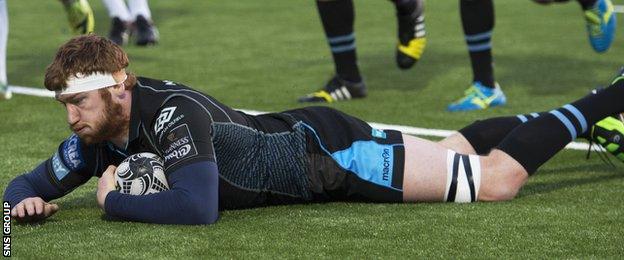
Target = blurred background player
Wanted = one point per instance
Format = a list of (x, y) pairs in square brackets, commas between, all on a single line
[(5, 93), (79, 16), (478, 21), (337, 17), (135, 16)]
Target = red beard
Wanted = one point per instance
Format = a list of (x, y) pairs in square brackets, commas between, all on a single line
[(112, 123)]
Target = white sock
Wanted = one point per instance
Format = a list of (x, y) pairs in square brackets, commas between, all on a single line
[(118, 8), (139, 7), (4, 36)]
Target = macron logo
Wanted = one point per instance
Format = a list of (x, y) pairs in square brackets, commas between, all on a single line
[(386, 164), (163, 118)]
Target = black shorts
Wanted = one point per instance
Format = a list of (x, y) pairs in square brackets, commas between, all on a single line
[(348, 159)]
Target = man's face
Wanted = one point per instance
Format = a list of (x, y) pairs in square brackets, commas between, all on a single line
[(94, 116)]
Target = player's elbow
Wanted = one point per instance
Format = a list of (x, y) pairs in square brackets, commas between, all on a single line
[(204, 217), (199, 194), (199, 210)]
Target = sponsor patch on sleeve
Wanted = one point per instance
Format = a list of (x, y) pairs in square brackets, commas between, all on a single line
[(58, 167), (178, 145), (71, 153)]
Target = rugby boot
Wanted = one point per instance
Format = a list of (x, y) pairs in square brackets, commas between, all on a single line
[(119, 31), (412, 39), (79, 16), (479, 97), (601, 23), (146, 32), (5, 92), (337, 89)]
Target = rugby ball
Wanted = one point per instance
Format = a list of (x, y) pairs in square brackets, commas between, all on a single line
[(141, 174)]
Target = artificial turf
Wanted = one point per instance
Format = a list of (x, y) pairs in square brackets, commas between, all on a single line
[(262, 55)]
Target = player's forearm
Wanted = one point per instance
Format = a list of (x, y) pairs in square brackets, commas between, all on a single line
[(18, 190), (33, 184), (192, 200)]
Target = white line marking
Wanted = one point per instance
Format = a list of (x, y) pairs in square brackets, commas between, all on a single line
[(618, 8), (404, 129), (31, 91)]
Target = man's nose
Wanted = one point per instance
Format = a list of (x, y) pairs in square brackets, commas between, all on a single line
[(72, 114)]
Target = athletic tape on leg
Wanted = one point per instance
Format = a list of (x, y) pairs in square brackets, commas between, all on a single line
[(463, 177)]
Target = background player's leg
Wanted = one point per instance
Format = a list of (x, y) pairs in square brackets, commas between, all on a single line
[(120, 20), (146, 32), (118, 9), (477, 18), (411, 31), (586, 4), (337, 17), (478, 22), (5, 93), (79, 16), (139, 7)]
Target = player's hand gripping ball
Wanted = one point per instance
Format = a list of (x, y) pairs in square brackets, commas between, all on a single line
[(141, 174)]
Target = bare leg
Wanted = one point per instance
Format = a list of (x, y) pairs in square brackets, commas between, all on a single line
[(501, 177), (458, 143), (425, 170), (426, 166)]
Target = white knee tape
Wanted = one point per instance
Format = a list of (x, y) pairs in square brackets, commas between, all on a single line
[(463, 177)]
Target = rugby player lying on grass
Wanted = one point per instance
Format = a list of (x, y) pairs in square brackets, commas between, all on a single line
[(218, 158)]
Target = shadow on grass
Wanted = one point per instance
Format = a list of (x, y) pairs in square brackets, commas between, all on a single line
[(543, 73), (85, 201), (595, 167), (556, 184), (105, 217), (35, 223)]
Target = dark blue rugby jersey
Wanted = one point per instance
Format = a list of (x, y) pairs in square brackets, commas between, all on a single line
[(261, 159), (301, 155)]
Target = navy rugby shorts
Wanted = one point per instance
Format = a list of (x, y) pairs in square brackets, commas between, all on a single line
[(348, 159)]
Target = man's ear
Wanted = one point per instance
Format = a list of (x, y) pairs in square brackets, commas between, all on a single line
[(118, 90)]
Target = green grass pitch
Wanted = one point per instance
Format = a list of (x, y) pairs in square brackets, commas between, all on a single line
[(262, 55)]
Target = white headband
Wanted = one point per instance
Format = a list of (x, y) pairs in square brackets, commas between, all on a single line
[(83, 83)]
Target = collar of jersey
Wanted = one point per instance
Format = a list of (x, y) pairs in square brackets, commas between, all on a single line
[(135, 117)]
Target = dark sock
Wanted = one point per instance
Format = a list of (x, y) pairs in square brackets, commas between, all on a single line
[(337, 17), (478, 21), (586, 4), (536, 141), (411, 21), (483, 135), (404, 7)]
